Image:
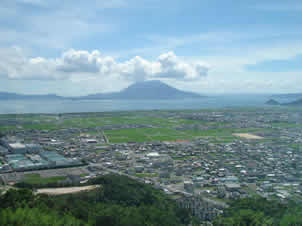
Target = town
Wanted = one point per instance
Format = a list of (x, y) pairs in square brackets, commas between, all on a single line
[(203, 158)]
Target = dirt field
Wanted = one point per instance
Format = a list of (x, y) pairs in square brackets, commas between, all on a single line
[(247, 136), (67, 190)]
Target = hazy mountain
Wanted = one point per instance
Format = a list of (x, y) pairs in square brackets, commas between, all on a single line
[(15, 96), (272, 102), (288, 95), (140, 90), (146, 90), (294, 103)]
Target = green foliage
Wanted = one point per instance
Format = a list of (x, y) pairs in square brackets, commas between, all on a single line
[(118, 201), (16, 198), (122, 190), (246, 217), (291, 220), (35, 217), (259, 211)]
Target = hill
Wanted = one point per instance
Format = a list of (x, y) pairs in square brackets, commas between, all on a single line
[(272, 102), (118, 201), (294, 103), (15, 96), (146, 90), (288, 95)]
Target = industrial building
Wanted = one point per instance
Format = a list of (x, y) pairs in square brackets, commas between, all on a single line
[(43, 160), (17, 148), (33, 148), (23, 157), (56, 159)]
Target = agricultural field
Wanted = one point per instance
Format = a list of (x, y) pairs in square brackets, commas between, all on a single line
[(218, 126), (166, 134), (36, 179)]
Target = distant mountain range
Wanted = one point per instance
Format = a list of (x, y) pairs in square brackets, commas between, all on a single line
[(16, 96), (293, 103), (288, 95), (142, 90), (293, 99)]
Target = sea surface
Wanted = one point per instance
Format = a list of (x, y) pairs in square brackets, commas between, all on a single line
[(69, 106)]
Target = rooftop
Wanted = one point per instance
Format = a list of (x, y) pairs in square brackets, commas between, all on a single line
[(17, 145), (153, 154)]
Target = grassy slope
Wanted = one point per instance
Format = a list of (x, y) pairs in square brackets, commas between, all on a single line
[(36, 179)]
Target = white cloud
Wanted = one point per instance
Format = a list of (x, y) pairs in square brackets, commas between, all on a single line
[(137, 69), (80, 61), (15, 65), (74, 63), (172, 67)]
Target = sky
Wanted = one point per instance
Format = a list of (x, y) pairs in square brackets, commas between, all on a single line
[(77, 47)]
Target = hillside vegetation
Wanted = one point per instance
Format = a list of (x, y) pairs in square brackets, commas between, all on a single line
[(118, 201), (260, 211)]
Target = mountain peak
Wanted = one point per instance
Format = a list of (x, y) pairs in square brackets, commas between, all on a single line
[(151, 89), (272, 102), (150, 84), (154, 89)]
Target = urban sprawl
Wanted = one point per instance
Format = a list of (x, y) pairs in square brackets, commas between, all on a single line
[(200, 158)]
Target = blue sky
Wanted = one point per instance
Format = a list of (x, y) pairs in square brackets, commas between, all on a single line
[(80, 47)]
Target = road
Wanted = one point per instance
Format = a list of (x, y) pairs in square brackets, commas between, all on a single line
[(186, 194)]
